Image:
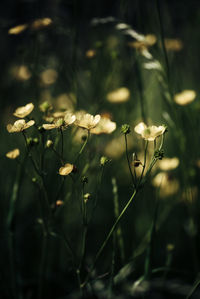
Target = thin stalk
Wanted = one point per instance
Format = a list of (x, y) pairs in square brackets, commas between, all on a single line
[(62, 143), (127, 157), (116, 210), (83, 146), (109, 235), (163, 40), (41, 281), (144, 163)]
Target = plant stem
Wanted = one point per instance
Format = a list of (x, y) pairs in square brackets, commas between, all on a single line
[(109, 235), (129, 166)]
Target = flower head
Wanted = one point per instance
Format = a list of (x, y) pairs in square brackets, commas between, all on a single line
[(66, 169), (149, 133), (86, 120), (23, 111), (185, 97), (104, 126), (20, 125), (13, 154), (119, 95), (64, 121)]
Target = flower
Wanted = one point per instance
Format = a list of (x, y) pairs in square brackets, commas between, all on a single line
[(119, 95), (185, 97), (149, 133), (86, 120), (20, 125), (167, 184), (145, 42), (23, 111), (66, 169), (40, 23), (49, 143), (17, 29), (173, 44), (63, 122), (13, 154), (168, 163), (104, 126)]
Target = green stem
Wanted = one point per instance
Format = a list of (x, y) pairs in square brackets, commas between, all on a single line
[(144, 163), (129, 166), (83, 146), (109, 235)]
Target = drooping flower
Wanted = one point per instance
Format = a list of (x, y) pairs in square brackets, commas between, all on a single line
[(19, 126), (66, 169), (149, 133), (13, 154), (63, 122), (86, 120), (185, 97), (104, 126), (23, 111)]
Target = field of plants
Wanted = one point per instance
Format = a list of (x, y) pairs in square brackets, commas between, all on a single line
[(100, 160)]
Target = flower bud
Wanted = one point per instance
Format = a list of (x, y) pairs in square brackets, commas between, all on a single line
[(125, 129), (104, 160), (49, 143)]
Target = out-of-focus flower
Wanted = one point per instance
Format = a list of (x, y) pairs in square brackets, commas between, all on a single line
[(115, 148), (65, 102), (167, 184), (23, 111), (49, 143), (168, 163), (17, 29), (45, 106), (13, 154), (20, 125), (66, 169), (185, 97), (21, 72), (49, 76), (63, 122), (119, 95), (104, 126), (90, 53), (149, 133), (173, 44), (148, 41), (59, 203), (40, 23), (86, 120)]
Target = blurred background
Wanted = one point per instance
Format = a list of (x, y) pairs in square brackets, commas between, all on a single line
[(132, 61)]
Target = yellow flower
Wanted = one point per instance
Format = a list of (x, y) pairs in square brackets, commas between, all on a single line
[(149, 133), (173, 44), (147, 41), (67, 119), (13, 154), (185, 97), (105, 126), (168, 163), (20, 125), (119, 95), (167, 184), (86, 120), (17, 29), (23, 111), (66, 169), (40, 23)]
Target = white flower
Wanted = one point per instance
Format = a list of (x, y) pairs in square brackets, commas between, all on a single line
[(149, 133), (105, 126), (23, 111), (19, 126), (87, 121)]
